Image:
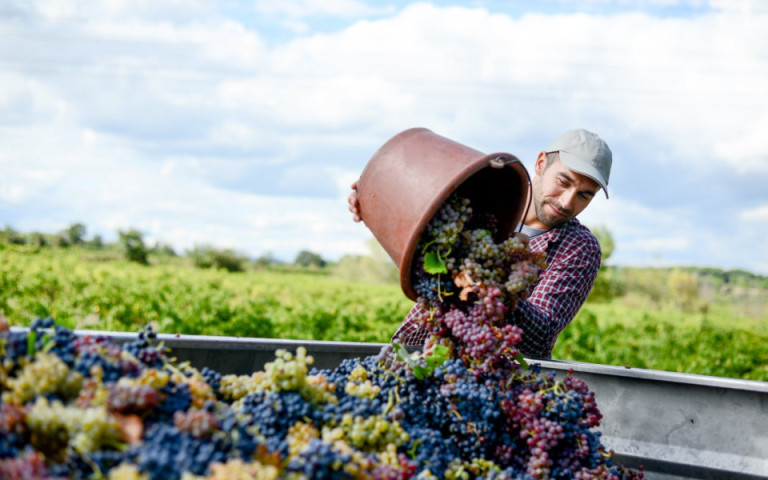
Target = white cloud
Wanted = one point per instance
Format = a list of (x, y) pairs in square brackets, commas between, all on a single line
[(171, 117), (306, 8), (757, 214), (748, 7)]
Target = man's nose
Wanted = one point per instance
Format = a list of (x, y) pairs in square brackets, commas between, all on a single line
[(566, 199)]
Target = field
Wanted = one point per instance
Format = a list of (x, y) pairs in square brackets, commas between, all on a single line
[(88, 290)]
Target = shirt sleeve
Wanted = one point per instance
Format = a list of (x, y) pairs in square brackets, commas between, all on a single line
[(410, 333), (558, 295)]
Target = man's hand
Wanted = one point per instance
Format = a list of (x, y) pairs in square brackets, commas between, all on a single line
[(354, 203), (523, 238)]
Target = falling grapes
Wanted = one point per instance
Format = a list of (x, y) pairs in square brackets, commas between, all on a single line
[(466, 280)]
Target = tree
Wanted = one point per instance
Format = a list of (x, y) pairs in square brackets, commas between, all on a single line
[(305, 258), (75, 234), (96, 242), (683, 289), (162, 248), (12, 236), (205, 256), (37, 239), (605, 286), (132, 242), (265, 260), (605, 239)]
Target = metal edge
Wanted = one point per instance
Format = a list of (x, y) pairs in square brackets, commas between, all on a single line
[(363, 348)]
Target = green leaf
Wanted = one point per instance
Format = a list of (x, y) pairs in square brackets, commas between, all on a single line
[(31, 342), (433, 264), (403, 353), (47, 342), (438, 357), (433, 361), (420, 372), (521, 360)]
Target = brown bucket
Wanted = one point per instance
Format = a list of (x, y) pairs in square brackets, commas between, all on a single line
[(409, 178)]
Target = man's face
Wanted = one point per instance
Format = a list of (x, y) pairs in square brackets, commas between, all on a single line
[(559, 194)]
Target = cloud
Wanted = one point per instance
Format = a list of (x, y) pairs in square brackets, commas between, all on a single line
[(757, 214), (197, 122), (333, 8)]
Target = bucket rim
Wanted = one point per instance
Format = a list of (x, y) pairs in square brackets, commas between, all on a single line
[(472, 168)]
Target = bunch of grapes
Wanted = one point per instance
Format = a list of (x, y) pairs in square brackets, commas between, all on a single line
[(466, 281), (384, 417)]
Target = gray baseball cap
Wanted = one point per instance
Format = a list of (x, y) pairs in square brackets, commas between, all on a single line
[(584, 152)]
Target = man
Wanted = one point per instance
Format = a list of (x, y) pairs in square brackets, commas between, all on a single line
[(568, 175)]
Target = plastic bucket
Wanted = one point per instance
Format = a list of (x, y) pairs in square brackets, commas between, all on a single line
[(413, 174)]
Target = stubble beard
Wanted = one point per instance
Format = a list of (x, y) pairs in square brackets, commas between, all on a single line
[(540, 206)]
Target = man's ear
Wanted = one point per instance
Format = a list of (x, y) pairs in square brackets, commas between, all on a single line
[(541, 163)]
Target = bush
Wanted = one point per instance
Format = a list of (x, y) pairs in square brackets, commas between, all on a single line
[(305, 258), (133, 246), (210, 257)]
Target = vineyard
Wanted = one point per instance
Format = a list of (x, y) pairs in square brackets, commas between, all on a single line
[(85, 291)]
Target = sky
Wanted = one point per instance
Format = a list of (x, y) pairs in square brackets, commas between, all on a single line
[(242, 124)]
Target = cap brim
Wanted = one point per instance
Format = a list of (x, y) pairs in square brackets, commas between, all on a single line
[(585, 168)]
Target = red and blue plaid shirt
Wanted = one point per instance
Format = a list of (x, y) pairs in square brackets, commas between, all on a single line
[(573, 259)]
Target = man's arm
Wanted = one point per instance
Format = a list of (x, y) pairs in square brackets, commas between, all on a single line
[(558, 295)]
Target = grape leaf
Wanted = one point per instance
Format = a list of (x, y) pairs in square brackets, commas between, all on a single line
[(521, 360), (433, 264), (437, 357), (402, 353), (31, 337)]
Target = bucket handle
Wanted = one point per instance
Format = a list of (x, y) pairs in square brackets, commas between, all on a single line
[(501, 161)]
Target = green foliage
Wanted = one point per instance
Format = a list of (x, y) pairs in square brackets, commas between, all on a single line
[(305, 258), (683, 288), (649, 326), (133, 246), (433, 264), (606, 286), (265, 260), (423, 364), (605, 239), (211, 257), (95, 242), (74, 234), (665, 340), (9, 235), (37, 240), (123, 296)]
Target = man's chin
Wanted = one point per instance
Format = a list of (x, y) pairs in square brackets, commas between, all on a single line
[(553, 223)]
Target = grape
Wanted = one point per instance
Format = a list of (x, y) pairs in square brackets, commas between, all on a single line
[(129, 397), (28, 466), (472, 413), (240, 470), (484, 279), (46, 374)]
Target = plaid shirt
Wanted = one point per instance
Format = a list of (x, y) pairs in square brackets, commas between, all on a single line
[(573, 258)]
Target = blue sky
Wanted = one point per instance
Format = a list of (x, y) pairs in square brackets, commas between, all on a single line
[(241, 124)]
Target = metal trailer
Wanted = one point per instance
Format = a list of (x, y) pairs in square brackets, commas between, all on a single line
[(677, 426)]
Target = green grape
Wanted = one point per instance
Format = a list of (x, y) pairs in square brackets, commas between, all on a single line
[(46, 374)]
